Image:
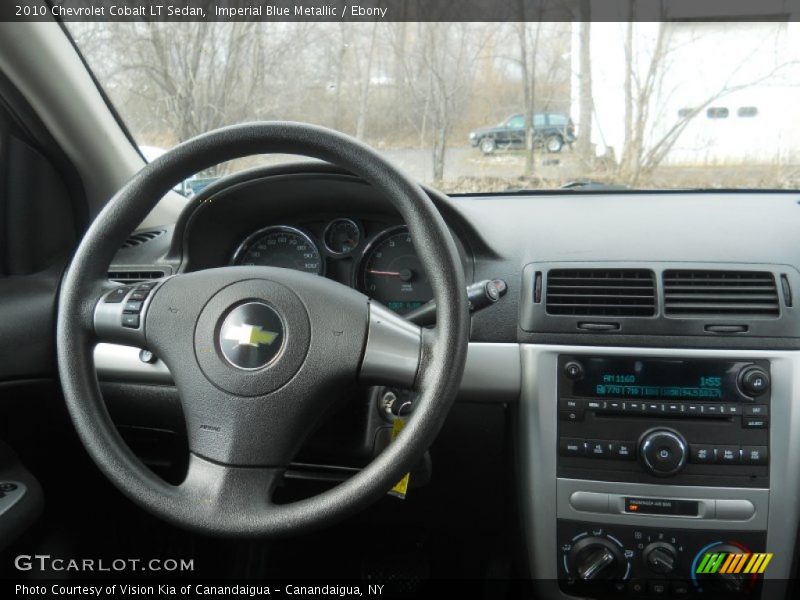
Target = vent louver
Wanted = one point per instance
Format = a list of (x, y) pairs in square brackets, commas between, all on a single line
[(601, 292), (134, 276), (690, 293), (137, 239)]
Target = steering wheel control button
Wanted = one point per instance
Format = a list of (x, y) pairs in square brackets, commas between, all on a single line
[(130, 321), (573, 370), (133, 306), (754, 381), (251, 336), (663, 452), (118, 295)]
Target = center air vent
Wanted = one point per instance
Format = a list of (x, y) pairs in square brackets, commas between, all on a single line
[(137, 239), (720, 293), (601, 292)]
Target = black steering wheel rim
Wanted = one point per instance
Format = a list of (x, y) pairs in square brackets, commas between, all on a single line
[(441, 363)]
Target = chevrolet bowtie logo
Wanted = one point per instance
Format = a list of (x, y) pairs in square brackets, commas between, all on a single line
[(250, 335)]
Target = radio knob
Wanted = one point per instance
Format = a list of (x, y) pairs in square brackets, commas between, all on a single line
[(573, 370), (663, 452), (754, 381), (660, 557)]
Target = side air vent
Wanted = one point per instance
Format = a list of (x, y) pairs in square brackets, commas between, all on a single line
[(601, 292), (134, 276), (690, 293), (137, 239)]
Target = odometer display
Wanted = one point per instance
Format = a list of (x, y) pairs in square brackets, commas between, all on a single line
[(280, 246), (392, 273)]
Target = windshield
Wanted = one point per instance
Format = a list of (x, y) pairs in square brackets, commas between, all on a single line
[(479, 107)]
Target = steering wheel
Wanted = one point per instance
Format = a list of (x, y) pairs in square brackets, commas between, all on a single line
[(255, 351)]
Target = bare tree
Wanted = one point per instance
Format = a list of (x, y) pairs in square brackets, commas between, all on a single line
[(643, 152), (585, 99), (528, 50)]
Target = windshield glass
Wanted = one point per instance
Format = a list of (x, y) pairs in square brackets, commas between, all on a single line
[(646, 105)]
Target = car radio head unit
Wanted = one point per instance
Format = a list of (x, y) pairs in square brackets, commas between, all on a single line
[(664, 379)]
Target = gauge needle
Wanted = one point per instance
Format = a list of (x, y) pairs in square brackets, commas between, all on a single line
[(403, 274)]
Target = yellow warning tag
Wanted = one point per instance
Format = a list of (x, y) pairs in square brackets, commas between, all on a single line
[(401, 487)]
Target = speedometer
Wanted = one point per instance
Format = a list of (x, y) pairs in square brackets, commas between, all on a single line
[(392, 273), (280, 246)]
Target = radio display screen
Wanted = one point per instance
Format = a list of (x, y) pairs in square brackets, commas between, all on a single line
[(663, 379)]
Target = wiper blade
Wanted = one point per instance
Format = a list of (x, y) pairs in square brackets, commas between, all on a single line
[(589, 185)]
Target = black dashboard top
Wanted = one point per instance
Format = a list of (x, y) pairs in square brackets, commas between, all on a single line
[(499, 235)]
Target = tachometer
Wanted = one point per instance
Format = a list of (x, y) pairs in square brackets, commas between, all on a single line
[(280, 246), (391, 272)]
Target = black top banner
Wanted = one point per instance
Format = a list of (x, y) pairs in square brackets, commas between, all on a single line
[(398, 10)]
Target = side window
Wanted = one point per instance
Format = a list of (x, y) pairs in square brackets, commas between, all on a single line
[(538, 120), (558, 120), (717, 112), (516, 122), (747, 111), (685, 112)]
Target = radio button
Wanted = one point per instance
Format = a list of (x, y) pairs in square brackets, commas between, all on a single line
[(570, 415), (755, 422), (624, 450), (756, 410), (694, 410), (572, 447), (653, 408), (632, 407), (674, 409), (729, 455), (711, 410), (755, 455), (597, 449), (702, 454), (614, 406), (732, 409), (596, 404)]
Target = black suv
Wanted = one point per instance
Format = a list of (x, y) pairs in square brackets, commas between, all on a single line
[(551, 130)]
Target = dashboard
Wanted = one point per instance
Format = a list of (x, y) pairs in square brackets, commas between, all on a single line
[(648, 360)]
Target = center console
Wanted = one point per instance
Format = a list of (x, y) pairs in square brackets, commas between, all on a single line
[(639, 464)]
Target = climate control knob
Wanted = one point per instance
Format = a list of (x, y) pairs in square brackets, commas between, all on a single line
[(596, 558), (663, 452), (660, 557)]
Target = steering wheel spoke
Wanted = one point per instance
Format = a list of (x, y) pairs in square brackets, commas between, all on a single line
[(213, 488)]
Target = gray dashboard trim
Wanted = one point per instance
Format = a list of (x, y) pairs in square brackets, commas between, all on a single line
[(537, 447), (493, 372)]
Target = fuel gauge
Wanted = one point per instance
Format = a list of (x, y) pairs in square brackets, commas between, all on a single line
[(342, 236)]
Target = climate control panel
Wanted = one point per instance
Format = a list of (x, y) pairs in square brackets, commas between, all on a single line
[(599, 561)]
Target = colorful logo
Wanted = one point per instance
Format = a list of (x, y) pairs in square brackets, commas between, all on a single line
[(729, 562)]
